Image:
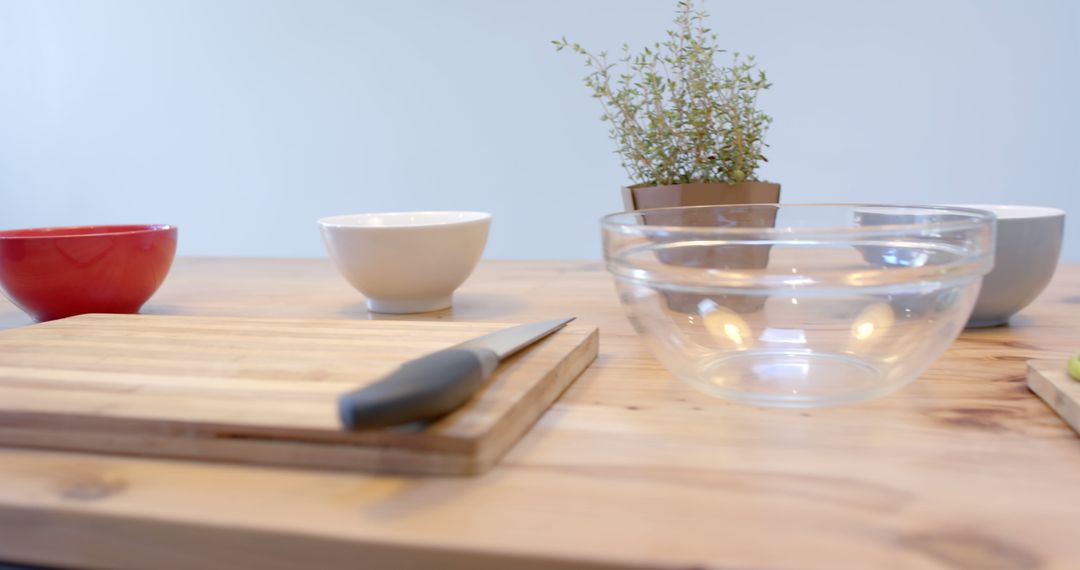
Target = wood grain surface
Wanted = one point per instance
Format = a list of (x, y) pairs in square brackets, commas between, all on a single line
[(964, 468), (259, 390)]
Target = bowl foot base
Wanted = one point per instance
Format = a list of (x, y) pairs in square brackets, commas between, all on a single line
[(986, 323), (404, 306), (792, 379)]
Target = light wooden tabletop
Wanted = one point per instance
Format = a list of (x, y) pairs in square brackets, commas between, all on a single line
[(965, 468)]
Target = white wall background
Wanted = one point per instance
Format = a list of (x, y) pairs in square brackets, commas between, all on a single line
[(242, 121)]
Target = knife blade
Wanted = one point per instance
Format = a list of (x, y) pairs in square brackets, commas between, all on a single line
[(438, 383)]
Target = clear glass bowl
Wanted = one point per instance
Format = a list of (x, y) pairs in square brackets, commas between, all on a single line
[(798, 305)]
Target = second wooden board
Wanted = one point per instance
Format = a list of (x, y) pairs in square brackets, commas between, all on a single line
[(1050, 380)]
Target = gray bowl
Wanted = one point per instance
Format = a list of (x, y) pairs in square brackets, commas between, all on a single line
[(1025, 257)]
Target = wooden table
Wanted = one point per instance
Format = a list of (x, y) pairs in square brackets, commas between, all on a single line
[(965, 468)]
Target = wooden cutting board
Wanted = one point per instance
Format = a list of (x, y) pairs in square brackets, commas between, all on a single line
[(1050, 380), (263, 390)]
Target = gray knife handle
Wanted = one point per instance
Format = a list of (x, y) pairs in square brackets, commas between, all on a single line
[(421, 389)]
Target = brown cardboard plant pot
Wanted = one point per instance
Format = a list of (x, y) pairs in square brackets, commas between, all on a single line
[(734, 257), (645, 196)]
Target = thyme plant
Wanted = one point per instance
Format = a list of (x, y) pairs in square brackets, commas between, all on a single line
[(677, 115)]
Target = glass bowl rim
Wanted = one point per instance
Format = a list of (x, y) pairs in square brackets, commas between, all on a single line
[(976, 218)]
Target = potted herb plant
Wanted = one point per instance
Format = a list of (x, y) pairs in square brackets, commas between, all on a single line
[(688, 129)]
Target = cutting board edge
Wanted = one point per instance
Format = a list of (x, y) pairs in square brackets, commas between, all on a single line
[(500, 439), (329, 321), (270, 453), (1050, 381)]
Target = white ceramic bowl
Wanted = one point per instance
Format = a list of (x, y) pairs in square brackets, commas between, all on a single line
[(1026, 255), (406, 262)]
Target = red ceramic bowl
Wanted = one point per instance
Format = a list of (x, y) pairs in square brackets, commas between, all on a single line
[(53, 273)]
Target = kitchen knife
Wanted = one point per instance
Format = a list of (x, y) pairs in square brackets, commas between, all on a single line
[(439, 383)]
